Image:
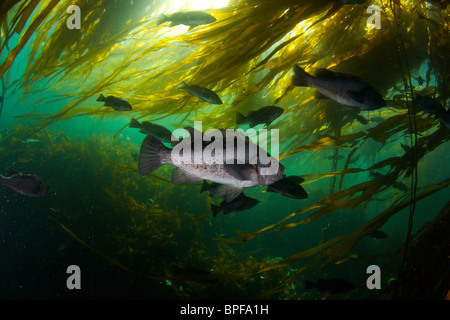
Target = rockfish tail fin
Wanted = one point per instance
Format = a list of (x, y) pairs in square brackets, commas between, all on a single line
[(227, 192), (301, 77), (161, 19), (150, 155), (240, 118), (101, 97), (134, 123), (180, 176), (215, 210), (182, 85)]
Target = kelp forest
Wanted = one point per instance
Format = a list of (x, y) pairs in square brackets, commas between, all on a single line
[(79, 78)]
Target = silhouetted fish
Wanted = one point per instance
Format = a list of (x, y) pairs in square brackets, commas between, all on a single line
[(419, 80), (429, 105), (343, 88), (27, 184), (265, 115), (115, 103), (432, 106), (289, 187), (191, 18), (241, 203), (148, 128), (202, 93)]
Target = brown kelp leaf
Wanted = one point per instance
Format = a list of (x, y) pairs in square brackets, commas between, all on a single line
[(26, 36)]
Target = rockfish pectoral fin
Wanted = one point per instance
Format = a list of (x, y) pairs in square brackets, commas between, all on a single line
[(319, 95), (228, 192), (180, 176), (357, 96)]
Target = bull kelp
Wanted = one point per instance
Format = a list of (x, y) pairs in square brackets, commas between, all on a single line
[(84, 82)]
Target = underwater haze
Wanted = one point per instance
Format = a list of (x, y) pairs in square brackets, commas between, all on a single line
[(353, 96)]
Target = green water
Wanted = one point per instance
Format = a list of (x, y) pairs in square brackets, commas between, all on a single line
[(137, 237)]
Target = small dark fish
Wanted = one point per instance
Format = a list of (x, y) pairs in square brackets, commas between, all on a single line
[(429, 105), (115, 103), (378, 234), (355, 159), (400, 186), (445, 119), (148, 128), (264, 115), (405, 147), (419, 80), (343, 88), (432, 106), (202, 93), (27, 184), (289, 187), (331, 285), (192, 19), (241, 203), (209, 187), (375, 175)]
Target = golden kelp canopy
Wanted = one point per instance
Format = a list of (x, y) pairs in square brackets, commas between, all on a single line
[(120, 49), (247, 57)]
